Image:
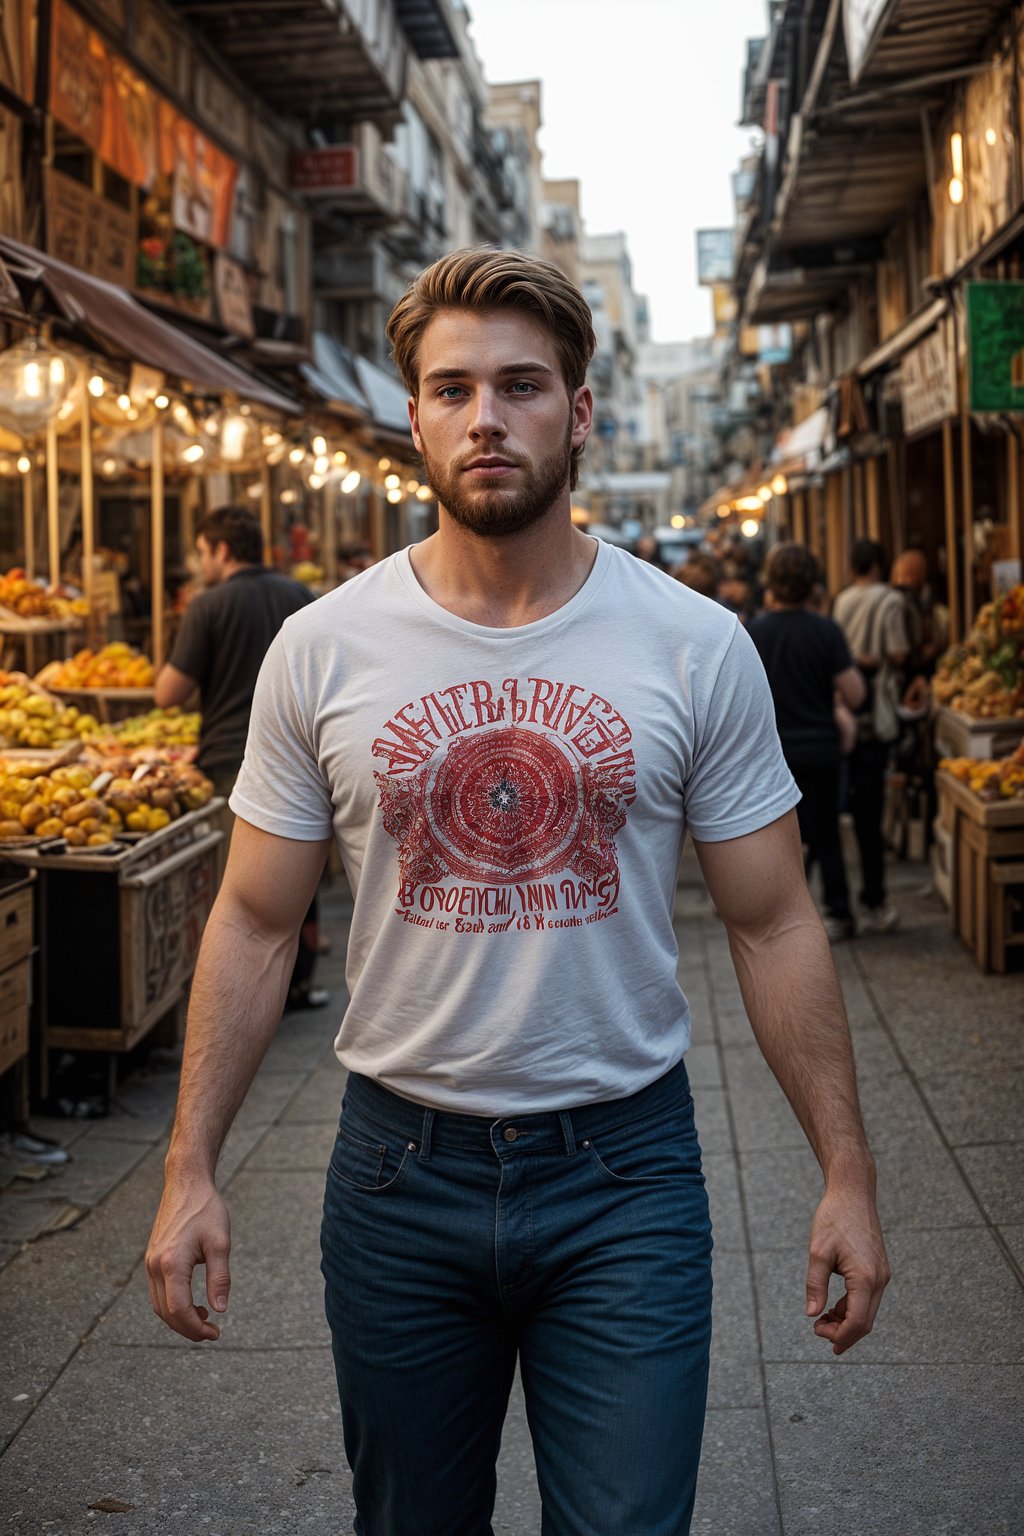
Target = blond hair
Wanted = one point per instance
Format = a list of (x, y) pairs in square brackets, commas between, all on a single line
[(480, 279)]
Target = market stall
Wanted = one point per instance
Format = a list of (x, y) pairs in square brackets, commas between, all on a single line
[(981, 818)]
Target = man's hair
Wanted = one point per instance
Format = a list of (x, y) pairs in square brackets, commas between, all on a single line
[(865, 554), (481, 279), (699, 573), (792, 573), (236, 527)]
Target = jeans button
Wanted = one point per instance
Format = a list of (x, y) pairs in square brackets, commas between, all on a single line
[(510, 1133)]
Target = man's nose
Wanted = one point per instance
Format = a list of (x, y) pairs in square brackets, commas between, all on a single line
[(487, 418)]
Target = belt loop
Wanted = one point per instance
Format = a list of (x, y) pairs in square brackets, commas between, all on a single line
[(425, 1135), (565, 1121)]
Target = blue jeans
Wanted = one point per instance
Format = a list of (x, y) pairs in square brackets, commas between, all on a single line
[(578, 1242)]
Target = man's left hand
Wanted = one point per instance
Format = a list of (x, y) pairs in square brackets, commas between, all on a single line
[(846, 1239)]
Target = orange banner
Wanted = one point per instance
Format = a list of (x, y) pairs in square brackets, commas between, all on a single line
[(96, 94)]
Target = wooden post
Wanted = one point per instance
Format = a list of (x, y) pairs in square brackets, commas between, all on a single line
[(266, 514), (1013, 494), (835, 566), (949, 494), (329, 498), (191, 496), (871, 486), (156, 537), (88, 499), (52, 503), (967, 500), (28, 513)]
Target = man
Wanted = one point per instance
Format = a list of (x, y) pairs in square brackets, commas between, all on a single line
[(807, 663), (225, 633), (508, 729), (871, 616)]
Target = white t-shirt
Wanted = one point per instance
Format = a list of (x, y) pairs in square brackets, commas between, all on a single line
[(510, 806)]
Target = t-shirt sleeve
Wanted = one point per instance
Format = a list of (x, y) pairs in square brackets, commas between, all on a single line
[(280, 787), (896, 641), (191, 650), (739, 781)]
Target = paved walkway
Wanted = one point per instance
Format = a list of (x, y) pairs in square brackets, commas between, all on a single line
[(916, 1433)]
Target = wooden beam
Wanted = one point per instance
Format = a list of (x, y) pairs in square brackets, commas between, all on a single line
[(88, 496), (266, 514), (156, 552), (966, 499), (874, 520), (52, 503), (1013, 494), (28, 513), (949, 500)]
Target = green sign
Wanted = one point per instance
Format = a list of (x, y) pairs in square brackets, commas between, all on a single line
[(995, 341)]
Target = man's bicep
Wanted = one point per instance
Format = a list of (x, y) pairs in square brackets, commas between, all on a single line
[(173, 687), (757, 880), (270, 881)]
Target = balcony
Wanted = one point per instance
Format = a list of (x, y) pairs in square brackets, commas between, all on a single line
[(305, 58), (360, 179)]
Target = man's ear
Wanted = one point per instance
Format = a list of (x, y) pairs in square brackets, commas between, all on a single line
[(414, 422)]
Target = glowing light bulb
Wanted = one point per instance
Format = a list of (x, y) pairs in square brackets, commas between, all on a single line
[(392, 482), (780, 485), (394, 495), (321, 464), (677, 521), (33, 380), (109, 466), (232, 440), (412, 486), (289, 497), (341, 457), (24, 464), (319, 446), (351, 481), (750, 527), (97, 387), (58, 373), (161, 402), (297, 455), (723, 509), (383, 463), (124, 401), (424, 493), (991, 138), (193, 453), (271, 439), (315, 482)]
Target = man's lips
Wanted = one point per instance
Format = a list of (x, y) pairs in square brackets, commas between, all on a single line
[(489, 468)]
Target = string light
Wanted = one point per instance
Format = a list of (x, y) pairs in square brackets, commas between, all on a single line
[(780, 485), (109, 466), (125, 402), (24, 464), (383, 463), (97, 386), (750, 527), (957, 189), (351, 481), (392, 482), (161, 402), (341, 457), (296, 455), (319, 446), (394, 495), (321, 464), (289, 497), (315, 482), (424, 493), (193, 453)]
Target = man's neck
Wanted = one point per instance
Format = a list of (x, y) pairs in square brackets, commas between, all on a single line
[(234, 566), (503, 583)]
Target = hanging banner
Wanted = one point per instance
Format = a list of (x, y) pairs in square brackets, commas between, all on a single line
[(202, 176), (862, 22), (98, 96), (995, 346), (234, 305)]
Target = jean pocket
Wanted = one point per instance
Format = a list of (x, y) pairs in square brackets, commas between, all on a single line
[(654, 1153), (367, 1165)]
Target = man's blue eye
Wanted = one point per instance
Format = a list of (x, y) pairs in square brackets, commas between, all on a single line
[(449, 391), (524, 385)]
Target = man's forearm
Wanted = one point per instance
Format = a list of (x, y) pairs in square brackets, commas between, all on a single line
[(237, 998), (794, 1004)]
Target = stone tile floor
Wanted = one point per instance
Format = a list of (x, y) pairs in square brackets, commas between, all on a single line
[(915, 1433)]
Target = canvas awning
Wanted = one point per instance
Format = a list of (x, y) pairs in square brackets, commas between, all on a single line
[(125, 328)]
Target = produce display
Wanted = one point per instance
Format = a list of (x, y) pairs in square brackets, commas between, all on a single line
[(29, 599), (990, 779), (167, 730), (90, 810), (984, 677), (31, 718), (116, 666)]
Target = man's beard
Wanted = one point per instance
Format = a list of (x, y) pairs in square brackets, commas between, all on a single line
[(497, 513)]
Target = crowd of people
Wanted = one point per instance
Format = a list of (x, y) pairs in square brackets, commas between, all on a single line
[(851, 693)]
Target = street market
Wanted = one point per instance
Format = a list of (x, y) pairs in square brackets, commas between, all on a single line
[(210, 217)]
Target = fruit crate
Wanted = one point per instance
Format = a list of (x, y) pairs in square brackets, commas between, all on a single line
[(960, 735), (108, 704), (16, 935), (985, 839), (119, 931)]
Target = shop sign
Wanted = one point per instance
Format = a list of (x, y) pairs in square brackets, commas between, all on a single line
[(87, 232), (995, 346), (862, 21), (322, 171), (218, 105), (17, 53), (231, 287), (927, 384), (714, 256), (156, 46), (724, 306)]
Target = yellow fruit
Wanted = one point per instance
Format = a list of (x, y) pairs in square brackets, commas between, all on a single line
[(98, 839), (137, 821), (10, 828), (51, 827), (158, 818), (90, 824), (32, 813), (75, 836)]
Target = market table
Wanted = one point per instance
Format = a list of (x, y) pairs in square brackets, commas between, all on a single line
[(119, 931), (960, 735), (986, 842), (108, 704)]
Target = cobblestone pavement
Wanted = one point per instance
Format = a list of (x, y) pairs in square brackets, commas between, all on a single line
[(915, 1433)]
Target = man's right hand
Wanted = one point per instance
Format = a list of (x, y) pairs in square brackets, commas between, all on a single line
[(192, 1227)]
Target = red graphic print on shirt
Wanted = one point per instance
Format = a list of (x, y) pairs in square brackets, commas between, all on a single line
[(504, 787)]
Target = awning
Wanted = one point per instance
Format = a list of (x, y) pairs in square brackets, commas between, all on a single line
[(332, 375), (126, 329), (630, 482), (908, 334), (800, 447), (386, 397)]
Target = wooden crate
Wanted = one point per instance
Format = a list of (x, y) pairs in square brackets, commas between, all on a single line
[(986, 836), (15, 998), (15, 922), (958, 735)]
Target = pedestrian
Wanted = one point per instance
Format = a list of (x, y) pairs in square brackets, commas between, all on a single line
[(509, 728), (224, 634), (808, 662), (871, 616)]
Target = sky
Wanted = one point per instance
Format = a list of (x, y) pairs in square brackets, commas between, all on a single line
[(640, 102)]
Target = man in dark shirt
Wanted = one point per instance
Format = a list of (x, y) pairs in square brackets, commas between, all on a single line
[(808, 661), (224, 635)]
